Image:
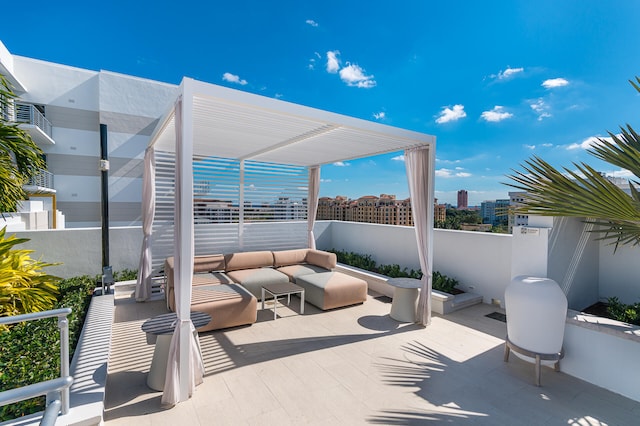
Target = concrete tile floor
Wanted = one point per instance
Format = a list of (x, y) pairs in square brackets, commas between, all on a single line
[(352, 366)]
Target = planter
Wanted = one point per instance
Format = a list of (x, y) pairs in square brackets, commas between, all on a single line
[(441, 303)]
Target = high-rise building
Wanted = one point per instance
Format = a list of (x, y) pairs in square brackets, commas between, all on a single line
[(463, 199)]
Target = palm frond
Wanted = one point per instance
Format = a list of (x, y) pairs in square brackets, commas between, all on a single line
[(584, 193)]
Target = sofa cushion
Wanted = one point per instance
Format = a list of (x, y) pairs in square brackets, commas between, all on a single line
[(254, 279), (294, 271), (229, 305), (289, 257), (214, 262), (321, 258), (211, 278), (248, 260)]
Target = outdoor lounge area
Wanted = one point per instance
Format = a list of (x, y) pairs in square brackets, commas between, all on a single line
[(352, 366), (232, 179)]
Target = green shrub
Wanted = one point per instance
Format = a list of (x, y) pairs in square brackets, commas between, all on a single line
[(30, 351), (24, 286), (622, 312), (364, 261), (125, 275)]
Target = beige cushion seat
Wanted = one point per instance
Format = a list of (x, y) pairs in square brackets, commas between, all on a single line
[(329, 290), (229, 305), (254, 279), (253, 270)]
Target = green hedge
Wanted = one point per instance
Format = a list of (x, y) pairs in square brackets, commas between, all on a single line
[(623, 312), (30, 351), (364, 261)]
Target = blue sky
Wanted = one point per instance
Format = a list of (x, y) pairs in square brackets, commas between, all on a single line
[(495, 81)]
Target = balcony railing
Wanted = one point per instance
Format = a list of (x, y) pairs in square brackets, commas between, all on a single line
[(28, 113), (44, 179)]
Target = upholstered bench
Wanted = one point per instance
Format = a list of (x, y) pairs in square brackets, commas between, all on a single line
[(329, 290)]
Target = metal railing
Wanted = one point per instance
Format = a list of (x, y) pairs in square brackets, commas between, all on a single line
[(43, 179), (28, 113), (56, 390)]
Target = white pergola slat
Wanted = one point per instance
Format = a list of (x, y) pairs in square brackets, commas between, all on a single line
[(234, 124), (226, 123)]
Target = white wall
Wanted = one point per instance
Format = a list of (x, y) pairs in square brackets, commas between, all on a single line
[(480, 261), (602, 355), (619, 273), (80, 249), (573, 261)]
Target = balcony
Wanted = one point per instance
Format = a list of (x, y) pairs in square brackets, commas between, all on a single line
[(42, 182), (34, 122)]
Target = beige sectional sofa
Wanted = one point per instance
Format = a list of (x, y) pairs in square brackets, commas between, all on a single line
[(228, 286)]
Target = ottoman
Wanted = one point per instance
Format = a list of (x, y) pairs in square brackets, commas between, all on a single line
[(329, 290)]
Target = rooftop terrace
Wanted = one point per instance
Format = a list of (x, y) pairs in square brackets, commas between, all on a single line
[(352, 366)]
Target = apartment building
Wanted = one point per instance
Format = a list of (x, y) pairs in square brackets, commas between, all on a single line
[(494, 212), (385, 209), (62, 107), (515, 200)]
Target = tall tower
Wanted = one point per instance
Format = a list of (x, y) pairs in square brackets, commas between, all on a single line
[(462, 199)]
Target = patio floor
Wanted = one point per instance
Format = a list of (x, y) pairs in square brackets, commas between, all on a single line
[(352, 366)]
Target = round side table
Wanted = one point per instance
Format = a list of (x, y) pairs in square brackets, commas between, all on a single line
[(159, 330), (405, 298)]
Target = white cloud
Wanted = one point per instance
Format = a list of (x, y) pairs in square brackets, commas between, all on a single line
[(531, 147), (314, 61), (554, 82), (324, 180), (447, 114), (509, 72), (398, 158), (587, 143), (541, 108), (353, 75), (341, 164), (379, 115), (311, 22), (547, 145), (448, 173), (622, 173), (232, 78), (278, 95), (333, 63), (447, 161), (496, 114)]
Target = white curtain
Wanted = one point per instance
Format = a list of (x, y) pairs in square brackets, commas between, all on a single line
[(185, 368), (419, 164), (143, 285), (312, 203)]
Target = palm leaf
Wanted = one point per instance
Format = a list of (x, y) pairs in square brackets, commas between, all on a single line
[(584, 193)]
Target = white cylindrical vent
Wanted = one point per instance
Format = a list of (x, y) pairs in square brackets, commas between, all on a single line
[(536, 313)]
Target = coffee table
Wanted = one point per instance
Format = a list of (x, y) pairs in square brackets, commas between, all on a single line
[(283, 289), (405, 298)]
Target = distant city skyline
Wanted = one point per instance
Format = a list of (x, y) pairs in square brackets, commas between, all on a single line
[(494, 82)]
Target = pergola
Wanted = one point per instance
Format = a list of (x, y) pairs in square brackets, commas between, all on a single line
[(209, 120)]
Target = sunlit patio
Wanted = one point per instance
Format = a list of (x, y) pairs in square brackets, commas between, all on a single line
[(354, 365)]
